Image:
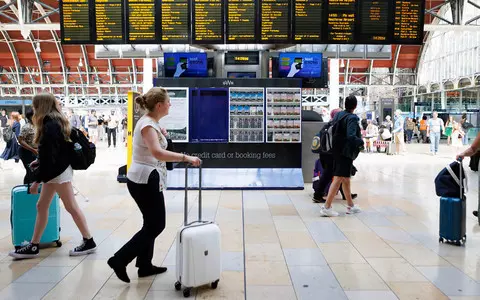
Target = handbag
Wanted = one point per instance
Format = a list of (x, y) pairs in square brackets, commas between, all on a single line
[(170, 147)]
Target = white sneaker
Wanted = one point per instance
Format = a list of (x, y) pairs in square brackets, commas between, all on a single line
[(353, 209), (328, 212)]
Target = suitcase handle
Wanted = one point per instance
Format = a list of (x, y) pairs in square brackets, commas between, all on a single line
[(185, 210)]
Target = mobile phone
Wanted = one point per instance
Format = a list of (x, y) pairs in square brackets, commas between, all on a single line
[(298, 63), (184, 62)]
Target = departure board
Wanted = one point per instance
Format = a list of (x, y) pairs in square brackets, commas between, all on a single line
[(175, 22), (75, 21), (341, 21), (142, 26), (207, 20), (307, 22), (408, 21), (275, 21), (374, 21), (109, 21), (241, 21)]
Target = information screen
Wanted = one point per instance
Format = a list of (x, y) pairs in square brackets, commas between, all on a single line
[(241, 21), (189, 64), (307, 22), (374, 24), (408, 21), (275, 21), (109, 21), (300, 65), (142, 25), (341, 21), (175, 22), (75, 21), (208, 22)]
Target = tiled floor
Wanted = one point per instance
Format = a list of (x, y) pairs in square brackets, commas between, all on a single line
[(275, 245)]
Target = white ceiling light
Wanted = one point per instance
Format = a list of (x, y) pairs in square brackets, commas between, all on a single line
[(342, 65), (38, 49), (80, 63)]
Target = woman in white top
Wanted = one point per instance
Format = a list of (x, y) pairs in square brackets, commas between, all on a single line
[(147, 178)]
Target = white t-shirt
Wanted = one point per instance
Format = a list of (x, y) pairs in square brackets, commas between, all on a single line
[(143, 162), (435, 125), (112, 122)]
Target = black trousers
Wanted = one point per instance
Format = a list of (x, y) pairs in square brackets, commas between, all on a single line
[(27, 158), (326, 177), (151, 203), (112, 131)]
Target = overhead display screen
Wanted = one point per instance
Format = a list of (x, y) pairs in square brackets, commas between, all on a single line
[(408, 21), (341, 21), (364, 22), (207, 22), (374, 15), (75, 21), (307, 21), (275, 21), (142, 25), (189, 64), (300, 65), (175, 22), (241, 19), (109, 21)]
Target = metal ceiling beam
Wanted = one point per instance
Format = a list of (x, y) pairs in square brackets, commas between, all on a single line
[(86, 62), (13, 52), (37, 56), (395, 62)]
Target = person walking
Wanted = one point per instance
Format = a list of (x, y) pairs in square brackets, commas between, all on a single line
[(410, 129), (347, 143), (112, 125), (423, 129), (92, 126), (398, 133), (28, 150), (435, 128), (146, 181), (52, 134), (11, 150), (449, 129)]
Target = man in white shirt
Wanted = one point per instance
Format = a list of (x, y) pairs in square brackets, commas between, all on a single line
[(112, 129), (435, 127)]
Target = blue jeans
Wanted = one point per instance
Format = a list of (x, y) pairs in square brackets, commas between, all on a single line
[(465, 138), (434, 141)]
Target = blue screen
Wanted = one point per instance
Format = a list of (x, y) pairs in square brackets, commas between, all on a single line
[(185, 64), (300, 65)]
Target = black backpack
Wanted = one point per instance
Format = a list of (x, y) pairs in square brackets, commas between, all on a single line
[(83, 152), (8, 134), (447, 182), (324, 141)]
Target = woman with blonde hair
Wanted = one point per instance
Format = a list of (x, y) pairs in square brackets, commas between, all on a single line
[(147, 179), (52, 135)]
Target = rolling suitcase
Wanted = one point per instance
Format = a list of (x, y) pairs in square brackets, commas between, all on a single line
[(198, 255), (24, 214), (453, 213)]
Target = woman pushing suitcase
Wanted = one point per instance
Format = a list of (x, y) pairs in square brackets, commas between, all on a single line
[(147, 178)]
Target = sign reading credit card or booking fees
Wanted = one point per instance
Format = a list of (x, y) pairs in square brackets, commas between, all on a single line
[(208, 22), (75, 21), (300, 65)]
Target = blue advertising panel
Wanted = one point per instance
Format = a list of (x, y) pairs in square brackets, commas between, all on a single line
[(185, 64), (300, 65)]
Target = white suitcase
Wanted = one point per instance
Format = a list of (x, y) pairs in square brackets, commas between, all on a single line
[(198, 256)]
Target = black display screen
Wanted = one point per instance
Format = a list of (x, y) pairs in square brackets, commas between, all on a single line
[(242, 58), (374, 25), (75, 21), (207, 22), (142, 24), (175, 21), (275, 21), (241, 19), (408, 21), (308, 16), (108, 21), (341, 21)]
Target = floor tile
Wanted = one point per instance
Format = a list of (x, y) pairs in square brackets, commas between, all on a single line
[(263, 252), (419, 255), (232, 261), (255, 292), (170, 295), (395, 269), (44, 275), (289, 223), (304, 257), (25, 291), (267, 273), (371, 295), (165, 281), (451, 281), (325, 232), (115, 289), (416, 290), (299, 239), (260, 233), (278, 199), (394, 235), (283, 210), (470, 265), (356, 277), (335, 253), (316, 282)]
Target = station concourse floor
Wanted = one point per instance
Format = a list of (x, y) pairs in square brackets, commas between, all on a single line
[(275, 245)]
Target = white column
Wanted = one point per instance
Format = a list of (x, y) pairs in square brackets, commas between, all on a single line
[(334, 86), (443, 99), (147, 74)]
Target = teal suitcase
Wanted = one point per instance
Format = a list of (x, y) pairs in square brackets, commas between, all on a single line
[(23, 216)]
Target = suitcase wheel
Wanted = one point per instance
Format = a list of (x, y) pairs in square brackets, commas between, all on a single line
[(440, 240), (215, 284), (178, 286), (186, 292), (58, 243)]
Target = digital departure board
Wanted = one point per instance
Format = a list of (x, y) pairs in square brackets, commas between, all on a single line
[(275, 21), (142, 24), (241, 21), (374, 15), (408, 21), (207, 22), (341, 21), (175, 22), (307, 21), (75, 21), (109, 19)]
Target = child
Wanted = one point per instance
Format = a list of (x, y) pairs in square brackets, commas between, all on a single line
[(457, 136)]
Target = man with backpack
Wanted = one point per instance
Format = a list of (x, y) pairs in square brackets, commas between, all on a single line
[(347, 143)]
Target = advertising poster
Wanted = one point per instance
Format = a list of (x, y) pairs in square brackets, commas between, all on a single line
[(300, 65), (185, 64), (176, 122)]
